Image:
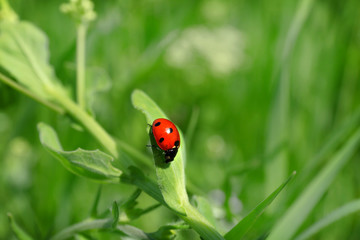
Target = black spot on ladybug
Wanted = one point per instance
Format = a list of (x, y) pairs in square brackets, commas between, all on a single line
[(177, 143), (157, 124), (161, 140), (170, 130)]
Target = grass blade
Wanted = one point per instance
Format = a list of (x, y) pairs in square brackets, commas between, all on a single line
[(20, 234), (288, 225), (334, 216), (245, 224), (277, 165)]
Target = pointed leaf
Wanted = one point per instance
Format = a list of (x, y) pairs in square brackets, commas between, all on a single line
[(115, 212), (94, 211), (20, 234), (91, 164), (245, 224)]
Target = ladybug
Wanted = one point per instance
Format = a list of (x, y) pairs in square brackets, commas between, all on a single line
[(167, 137)]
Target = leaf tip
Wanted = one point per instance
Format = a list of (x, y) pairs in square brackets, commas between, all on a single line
[(10, 217)]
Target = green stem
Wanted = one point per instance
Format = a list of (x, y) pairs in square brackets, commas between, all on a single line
[(193, 217), (200, 224), (80, 65), (83, 226), (28, 93), (89, 123)]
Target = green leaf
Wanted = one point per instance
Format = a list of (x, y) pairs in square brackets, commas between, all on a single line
[(115, 212), (95, 165), (168, 232), (246, 223), (171, 177), (334, 216), (24, 54), (300, 209), (277, 165), (106, 223), (20, 234)]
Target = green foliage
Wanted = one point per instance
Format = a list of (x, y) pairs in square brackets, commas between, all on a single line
[(300, 209), (255, 100), (115, 212), (24, 54), (20, 234), (341, 212), (95, 165), (246, 223), (171, 177)]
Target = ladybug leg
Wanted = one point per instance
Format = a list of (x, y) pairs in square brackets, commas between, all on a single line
[(154, 147), (149, 145)]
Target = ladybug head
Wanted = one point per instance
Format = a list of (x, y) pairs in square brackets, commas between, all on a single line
[(170, 154)]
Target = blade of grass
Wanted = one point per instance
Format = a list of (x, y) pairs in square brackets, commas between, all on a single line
[(246, 223), (94, 211), (276, 167), (334, 216), (20, 234), (334, 141), (192, 125), (288, 225)]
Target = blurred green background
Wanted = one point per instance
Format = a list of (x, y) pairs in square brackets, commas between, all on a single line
[(215, 67)]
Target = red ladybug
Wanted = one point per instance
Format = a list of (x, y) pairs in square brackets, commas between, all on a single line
[(167, 137)]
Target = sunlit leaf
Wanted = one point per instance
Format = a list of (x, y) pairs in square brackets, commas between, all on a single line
[(24, 54), (171, 177), (91, 164)]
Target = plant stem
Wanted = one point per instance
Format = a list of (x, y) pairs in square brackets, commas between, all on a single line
[(90, 124), (80, 64), (28, 93), (200, 224), (83, 226), (193, 217)]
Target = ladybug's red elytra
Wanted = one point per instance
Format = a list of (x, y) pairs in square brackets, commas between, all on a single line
[(167, 137)]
